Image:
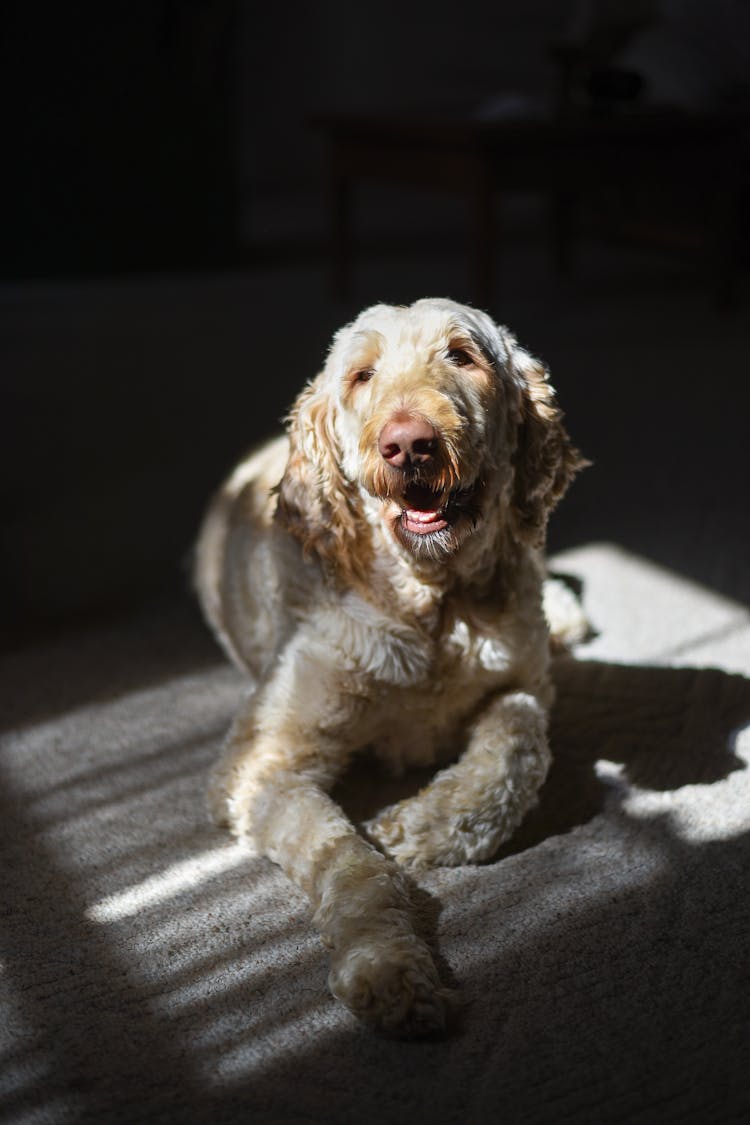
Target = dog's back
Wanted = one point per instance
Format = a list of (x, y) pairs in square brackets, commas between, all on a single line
[(236, 572)]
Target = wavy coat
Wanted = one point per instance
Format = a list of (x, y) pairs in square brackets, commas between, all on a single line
[(377, 572)]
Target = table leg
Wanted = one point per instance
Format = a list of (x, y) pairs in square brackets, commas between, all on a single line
[(562, 208), (339, 188), (482, 237), (725, 238)]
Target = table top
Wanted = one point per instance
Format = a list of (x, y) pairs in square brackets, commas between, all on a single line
[(653, 125)]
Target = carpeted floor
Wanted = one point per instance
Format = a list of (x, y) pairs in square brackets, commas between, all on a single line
[(151, 971)]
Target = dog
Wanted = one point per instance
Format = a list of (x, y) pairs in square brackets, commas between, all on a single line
[(378, 572)]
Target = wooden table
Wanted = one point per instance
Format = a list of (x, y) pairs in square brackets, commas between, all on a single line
[(564, 159)]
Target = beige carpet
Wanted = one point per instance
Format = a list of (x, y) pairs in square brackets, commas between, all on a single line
[(151, 971)]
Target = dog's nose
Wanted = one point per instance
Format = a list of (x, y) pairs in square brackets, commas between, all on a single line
[(407, 440)]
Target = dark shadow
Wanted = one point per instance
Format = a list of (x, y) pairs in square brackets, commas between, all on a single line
[(166, 639), (644, 718), (563, 1024), (90, 1035), (666, 727), (567, 1022), (557, 1016)]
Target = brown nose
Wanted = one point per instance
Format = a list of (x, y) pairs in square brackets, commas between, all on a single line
[(407, 440)]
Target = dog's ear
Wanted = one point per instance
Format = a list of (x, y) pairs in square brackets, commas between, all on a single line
[(545, 460), (316, 503)]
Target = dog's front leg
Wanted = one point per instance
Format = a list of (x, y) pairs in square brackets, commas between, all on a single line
[(273, 780), (471, 808), (380, 969)]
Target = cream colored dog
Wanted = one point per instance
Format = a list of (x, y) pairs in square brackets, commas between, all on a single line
[(378, 573)]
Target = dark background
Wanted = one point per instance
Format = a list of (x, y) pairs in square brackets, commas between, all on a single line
[(165, 275)]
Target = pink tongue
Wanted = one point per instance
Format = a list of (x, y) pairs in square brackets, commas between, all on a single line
[(420, 522), (417, 516)]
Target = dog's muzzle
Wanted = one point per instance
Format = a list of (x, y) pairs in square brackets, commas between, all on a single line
[(419, 476)]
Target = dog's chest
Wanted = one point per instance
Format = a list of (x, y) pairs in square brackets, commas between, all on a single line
[(426, 719), (423, 685)]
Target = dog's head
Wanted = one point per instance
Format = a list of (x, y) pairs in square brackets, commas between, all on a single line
[(431, 420)]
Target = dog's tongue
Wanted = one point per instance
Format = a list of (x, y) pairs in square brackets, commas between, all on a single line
[(421, 515), (422, 523)]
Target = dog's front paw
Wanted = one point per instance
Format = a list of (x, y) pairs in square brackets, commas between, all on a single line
[(410, 845), (417, 837), (392, 985)]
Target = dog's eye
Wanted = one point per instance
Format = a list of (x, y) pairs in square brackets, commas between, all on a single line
[(460, 357), (364, 375)]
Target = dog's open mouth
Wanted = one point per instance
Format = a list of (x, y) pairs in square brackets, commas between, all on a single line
[(425, 511)]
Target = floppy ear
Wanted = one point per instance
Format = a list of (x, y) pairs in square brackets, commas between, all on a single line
[(545, 461), (316, 503)]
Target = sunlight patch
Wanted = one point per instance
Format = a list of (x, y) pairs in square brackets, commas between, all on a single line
[(643, 613), (698, 813), (182, 876)]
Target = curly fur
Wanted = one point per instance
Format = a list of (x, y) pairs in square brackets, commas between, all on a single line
[(392, 608)]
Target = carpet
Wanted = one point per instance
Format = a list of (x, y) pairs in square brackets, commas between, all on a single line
[(152, 970)]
